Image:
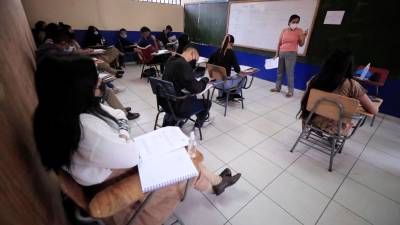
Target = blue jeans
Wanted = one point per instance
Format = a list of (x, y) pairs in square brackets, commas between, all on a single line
[(237, 82)]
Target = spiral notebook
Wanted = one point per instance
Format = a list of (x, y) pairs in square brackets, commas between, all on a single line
[(165, 170)]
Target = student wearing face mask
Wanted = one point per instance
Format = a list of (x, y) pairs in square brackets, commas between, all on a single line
[(290, 39), (124, 45), (179, 71), (226, 58)]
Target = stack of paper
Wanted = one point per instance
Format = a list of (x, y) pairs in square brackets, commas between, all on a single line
[(271, 63)]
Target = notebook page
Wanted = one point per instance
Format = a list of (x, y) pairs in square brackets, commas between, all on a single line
[(162, 171), (161, 141)]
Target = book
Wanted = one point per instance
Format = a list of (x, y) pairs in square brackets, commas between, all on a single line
[(162, 171)]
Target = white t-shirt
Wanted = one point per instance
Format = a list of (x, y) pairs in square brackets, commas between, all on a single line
[(101, 149)]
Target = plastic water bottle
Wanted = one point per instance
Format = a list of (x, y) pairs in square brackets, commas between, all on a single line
[(192, 145)]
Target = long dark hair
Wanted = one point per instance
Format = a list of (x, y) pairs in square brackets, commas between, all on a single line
[(224, 46), (65, 87), (335, 70)]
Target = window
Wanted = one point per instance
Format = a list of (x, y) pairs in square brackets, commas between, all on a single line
[(173, 2)]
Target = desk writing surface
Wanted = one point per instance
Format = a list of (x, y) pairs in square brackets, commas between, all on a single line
[(362, 111)]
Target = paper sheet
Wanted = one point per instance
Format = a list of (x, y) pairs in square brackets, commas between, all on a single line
[(271, 63), (334, 17), (160, 142), (202, 60)]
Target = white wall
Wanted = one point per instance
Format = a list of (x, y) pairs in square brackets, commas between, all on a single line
[(106, 14)]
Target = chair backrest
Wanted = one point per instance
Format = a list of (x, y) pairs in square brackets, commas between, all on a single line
[(211, 68), (73, 190), (145, 54), (163, 89), (329, 105), (380, 72)]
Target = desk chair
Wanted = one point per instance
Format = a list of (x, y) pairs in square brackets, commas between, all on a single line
[(331, 106), (228, 91), (382, 75), (145, 58), (105, 203), (165, 90)]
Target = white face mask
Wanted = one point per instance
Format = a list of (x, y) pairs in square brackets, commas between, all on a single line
[(96, 32), (69, 49), (293, 26), (124, 35)]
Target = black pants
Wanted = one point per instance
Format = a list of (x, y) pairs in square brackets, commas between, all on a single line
[(187, 108)]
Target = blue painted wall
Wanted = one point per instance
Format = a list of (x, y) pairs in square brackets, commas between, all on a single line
[(303, 72), (390, 92)]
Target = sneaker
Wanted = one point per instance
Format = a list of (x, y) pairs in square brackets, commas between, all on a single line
[(275, 90), (132, 116), (289, 94)]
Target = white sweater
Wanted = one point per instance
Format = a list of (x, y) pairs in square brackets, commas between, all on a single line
[(101, 149)]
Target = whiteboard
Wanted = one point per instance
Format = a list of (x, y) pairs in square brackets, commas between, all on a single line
[(259, 24)]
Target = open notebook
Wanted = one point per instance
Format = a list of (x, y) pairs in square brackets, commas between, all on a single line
[(163, 158), (162, 171)]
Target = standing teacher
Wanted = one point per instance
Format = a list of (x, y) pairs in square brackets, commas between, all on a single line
[(289, 41)]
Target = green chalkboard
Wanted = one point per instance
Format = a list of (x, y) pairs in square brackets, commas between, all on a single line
[(206, 22)]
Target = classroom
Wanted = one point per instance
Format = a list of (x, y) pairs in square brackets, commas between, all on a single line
[(199, 112)]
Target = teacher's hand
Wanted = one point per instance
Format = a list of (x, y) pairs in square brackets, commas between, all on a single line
[(305, 33)]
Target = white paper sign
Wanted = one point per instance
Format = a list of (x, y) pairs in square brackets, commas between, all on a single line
[(334, 17), (271, 63)]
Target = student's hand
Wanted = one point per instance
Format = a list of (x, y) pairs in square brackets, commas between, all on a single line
[(305, 33)]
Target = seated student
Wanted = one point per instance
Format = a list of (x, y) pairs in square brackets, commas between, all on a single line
[(147, 40), (39, 33), (94, 39), (76, 49), (58, 46), (124, 45), (226, 58), (164, 37), (183, 40), (336, 77), (92, 141), (179, 71)]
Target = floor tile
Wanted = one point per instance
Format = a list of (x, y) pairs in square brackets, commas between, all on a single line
[(225, 124), (377, 179), (316, 175), (381, 160), (247, 136), (280, 118), (299, 199), (261, 211), (368, 204), (265, 126), (256, 169), (197, 210), (336, 214), (277, 152), (224, 147)]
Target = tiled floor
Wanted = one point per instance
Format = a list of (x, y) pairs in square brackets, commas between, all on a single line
[(279, 187)]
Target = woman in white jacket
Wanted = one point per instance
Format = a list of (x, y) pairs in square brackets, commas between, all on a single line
[(91, 141)]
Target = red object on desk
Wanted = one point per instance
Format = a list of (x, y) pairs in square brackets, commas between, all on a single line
[(380, 72)]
